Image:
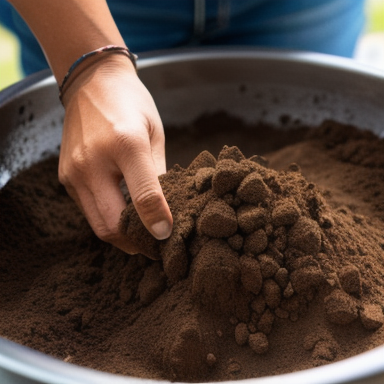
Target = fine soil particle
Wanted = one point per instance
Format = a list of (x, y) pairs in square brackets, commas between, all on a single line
[(269, 269)]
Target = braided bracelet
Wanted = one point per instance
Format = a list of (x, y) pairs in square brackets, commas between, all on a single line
[(107, 48)]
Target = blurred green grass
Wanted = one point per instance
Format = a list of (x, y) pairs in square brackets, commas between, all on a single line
[(375, 16), (10, 71)]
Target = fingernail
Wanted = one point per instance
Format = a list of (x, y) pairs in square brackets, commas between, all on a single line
[(161, 230)]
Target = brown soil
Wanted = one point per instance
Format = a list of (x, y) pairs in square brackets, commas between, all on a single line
[(275, 264)]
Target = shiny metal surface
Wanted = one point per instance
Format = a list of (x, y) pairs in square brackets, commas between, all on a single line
[(256, 85)]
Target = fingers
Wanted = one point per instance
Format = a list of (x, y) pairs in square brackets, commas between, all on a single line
[(102, 207), (141, 164)]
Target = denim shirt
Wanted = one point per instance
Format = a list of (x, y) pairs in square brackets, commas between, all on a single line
[(326, 26)]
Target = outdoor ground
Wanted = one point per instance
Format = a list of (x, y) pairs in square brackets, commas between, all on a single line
[(370, 49)]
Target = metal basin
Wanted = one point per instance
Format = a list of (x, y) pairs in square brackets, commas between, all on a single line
[(255, 85)]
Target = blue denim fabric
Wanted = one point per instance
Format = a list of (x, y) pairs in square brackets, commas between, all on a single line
[(327, 26)]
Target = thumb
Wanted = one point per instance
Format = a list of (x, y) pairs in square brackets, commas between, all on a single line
[(140, 174)]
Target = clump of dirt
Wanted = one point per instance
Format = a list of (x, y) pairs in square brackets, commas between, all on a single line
[(267, 271)]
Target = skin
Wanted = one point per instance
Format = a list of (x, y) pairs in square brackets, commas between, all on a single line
[(112, 130)]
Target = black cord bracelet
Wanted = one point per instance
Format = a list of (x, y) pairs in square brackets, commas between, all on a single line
[(107, 48)]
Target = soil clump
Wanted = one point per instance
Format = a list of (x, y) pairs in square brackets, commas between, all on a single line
[(275, 264)]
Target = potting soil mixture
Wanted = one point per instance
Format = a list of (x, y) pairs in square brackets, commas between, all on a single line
[(275, 263)]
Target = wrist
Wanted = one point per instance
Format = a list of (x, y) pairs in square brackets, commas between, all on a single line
[(110, 57)]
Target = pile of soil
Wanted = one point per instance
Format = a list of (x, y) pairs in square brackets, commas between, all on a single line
[(275, 263)]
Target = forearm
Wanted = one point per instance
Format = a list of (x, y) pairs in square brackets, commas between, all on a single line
[(68, 29)]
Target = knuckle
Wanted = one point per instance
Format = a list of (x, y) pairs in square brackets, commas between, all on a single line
[(132, 142), (104, 233), (79, 161), (63, 176), (148, 201), (72, 166)]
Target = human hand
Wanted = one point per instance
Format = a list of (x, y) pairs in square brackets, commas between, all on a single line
[(112, 130)]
